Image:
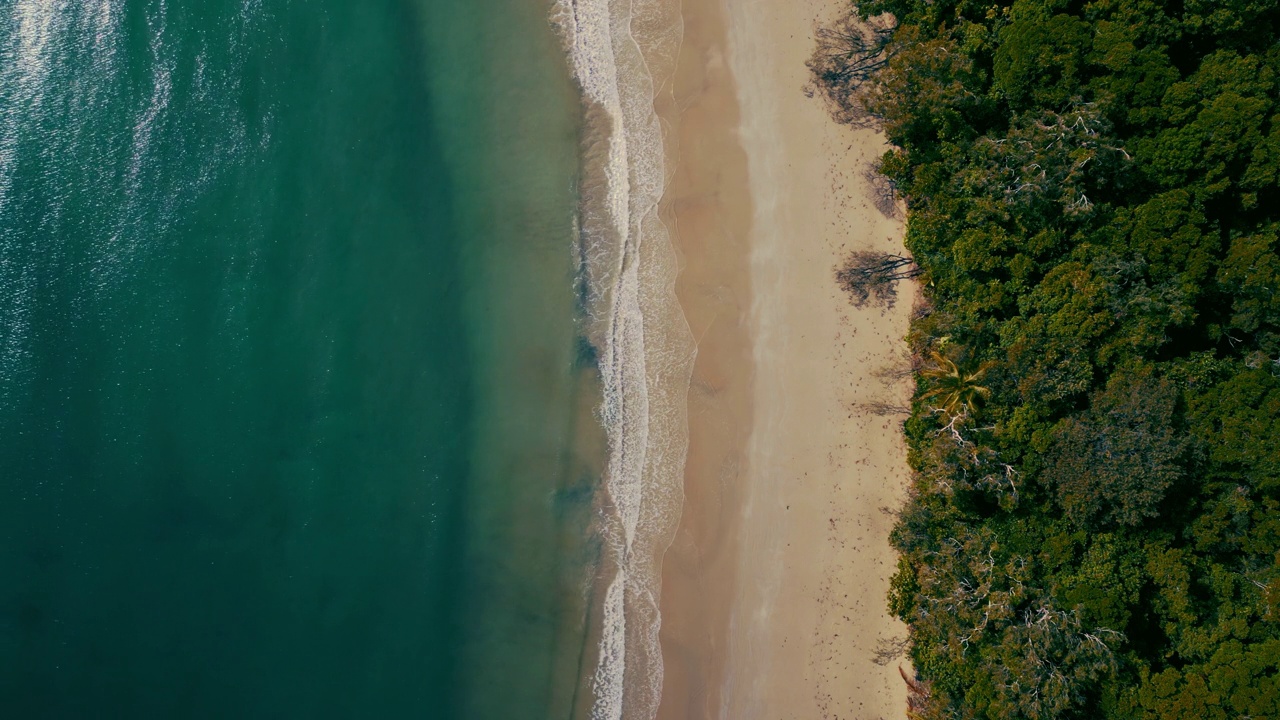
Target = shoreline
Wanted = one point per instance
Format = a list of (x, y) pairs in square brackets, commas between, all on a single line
[(774, 588), (621, 56)]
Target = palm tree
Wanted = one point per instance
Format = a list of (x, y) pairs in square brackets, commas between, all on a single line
[(956, 387)]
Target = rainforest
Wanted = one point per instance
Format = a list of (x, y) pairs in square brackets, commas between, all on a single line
[(1093, 528)]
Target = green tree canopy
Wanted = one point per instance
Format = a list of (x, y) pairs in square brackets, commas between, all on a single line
[(1093, 194)]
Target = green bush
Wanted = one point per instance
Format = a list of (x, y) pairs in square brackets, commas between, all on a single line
[(1094, 206)]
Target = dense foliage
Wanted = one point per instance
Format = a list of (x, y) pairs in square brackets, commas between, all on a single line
[(1094, 527)]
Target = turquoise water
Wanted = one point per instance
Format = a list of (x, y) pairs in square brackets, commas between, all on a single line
[(290, 392)]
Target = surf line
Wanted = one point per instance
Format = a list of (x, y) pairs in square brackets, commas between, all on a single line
[(644, 348)]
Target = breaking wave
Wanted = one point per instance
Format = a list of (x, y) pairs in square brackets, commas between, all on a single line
[(617, 48)]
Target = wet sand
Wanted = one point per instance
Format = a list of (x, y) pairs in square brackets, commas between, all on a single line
[(773, 598), (709, 208)]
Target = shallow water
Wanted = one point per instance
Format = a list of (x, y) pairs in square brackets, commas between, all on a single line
[(290, 389)]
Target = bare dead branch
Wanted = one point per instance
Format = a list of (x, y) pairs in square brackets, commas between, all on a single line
[(882, 408), (872, 276), (884, 195), (890, 649), (849, 51)]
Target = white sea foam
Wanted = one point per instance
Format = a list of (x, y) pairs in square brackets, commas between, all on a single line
[(644, 345)]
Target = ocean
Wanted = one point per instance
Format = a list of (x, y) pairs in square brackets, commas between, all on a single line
[(299, 413)]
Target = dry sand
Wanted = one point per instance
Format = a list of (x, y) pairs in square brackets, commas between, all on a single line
[(773, 596)]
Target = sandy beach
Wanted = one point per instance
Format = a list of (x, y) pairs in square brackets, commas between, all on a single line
[(773, 598)]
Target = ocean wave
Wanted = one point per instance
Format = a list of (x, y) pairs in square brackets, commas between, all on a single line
[(645, 350)]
